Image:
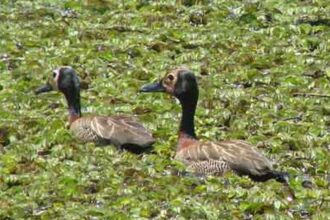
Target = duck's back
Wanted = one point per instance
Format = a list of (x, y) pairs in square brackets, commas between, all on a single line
[(216, 158), (116, 130)]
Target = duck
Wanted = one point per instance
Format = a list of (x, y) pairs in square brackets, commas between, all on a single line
[(207, 157), (121, 131)]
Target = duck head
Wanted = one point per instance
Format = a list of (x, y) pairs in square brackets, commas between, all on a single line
[(180, 83), (63, 79), (66, 81)]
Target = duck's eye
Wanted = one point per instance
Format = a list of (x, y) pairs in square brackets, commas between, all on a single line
[(54, 74), (170, 77)]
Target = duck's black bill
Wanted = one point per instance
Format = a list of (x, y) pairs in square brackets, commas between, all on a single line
[(44, 88), (153, 87)]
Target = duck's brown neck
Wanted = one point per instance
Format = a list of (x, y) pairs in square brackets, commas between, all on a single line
[(185, 141), (73, 100), (73, 115)]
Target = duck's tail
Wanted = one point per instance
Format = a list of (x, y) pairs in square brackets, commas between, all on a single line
[(282, 177)]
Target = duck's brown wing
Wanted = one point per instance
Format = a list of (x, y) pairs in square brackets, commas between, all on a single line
[(117, 130), (243, 158), (221, 156)]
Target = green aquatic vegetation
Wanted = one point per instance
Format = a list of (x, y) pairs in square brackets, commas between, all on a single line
[(263, 69)]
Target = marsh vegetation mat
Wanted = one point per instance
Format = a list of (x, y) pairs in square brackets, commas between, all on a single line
[(263, 70)]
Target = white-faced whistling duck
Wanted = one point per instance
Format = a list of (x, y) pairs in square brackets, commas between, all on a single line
[(121, 131), (210, 158)]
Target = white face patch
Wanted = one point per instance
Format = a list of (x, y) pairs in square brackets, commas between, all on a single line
[(56, 76)]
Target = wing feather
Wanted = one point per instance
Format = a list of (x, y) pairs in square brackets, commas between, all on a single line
[(118, 130), (239, 156)]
